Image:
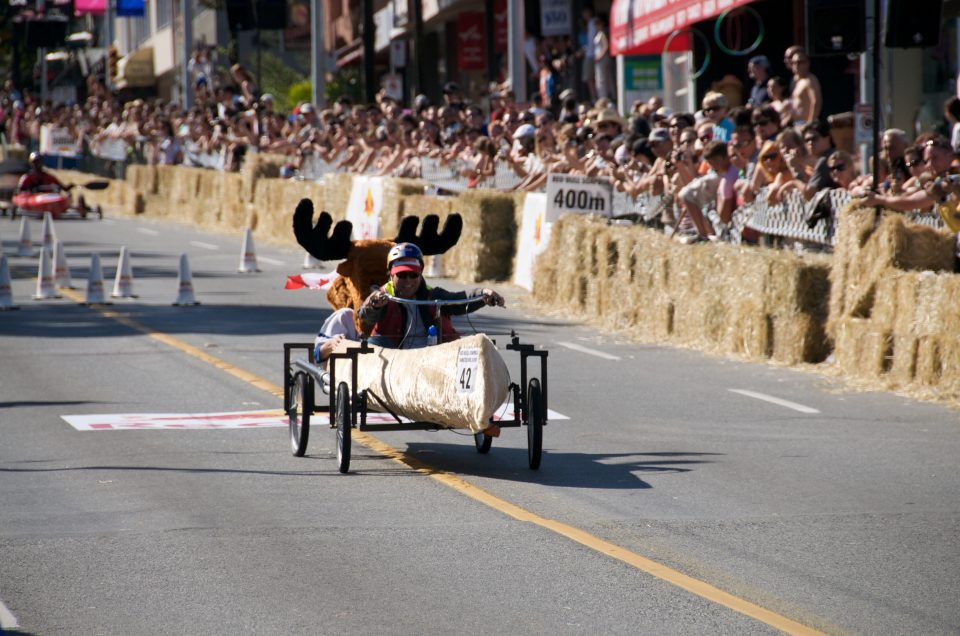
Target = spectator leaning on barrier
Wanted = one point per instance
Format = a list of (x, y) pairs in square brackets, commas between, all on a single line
[(715, 110), (816, 139), (938, 157)]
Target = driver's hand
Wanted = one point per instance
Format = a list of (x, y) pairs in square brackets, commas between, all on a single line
[(493, 299), (377, 299)]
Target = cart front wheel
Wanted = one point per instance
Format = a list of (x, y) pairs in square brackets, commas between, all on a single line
[(343, 427), (534, 424), (301, 407), (483, 442)]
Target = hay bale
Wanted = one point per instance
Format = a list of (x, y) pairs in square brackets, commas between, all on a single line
[(488, 243)]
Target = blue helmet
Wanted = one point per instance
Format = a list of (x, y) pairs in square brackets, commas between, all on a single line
[(404, 250)]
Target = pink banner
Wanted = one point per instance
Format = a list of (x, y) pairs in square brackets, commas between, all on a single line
[(95, 7)]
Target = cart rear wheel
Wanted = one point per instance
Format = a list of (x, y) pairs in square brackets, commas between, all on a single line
[(301, 407), (483, 442), (343, 427), (534, 424)]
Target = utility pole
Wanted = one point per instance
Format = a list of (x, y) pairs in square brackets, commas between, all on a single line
[(518, 70), (186, 90), (369, 31), (318, 53), (489, 25), (418, 72)]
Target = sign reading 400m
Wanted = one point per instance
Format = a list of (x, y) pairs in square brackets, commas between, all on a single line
[(567, 193)]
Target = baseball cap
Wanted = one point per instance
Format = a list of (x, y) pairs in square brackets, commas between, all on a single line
[(451, 87), (406, 265)]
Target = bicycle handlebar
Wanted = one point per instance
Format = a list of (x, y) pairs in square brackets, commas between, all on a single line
[(434, 303)]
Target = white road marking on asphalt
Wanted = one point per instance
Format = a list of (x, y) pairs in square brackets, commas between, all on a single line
[(593, 352), (146, 230), (206, 246), (271, 261), (7, 619), (775, 400)]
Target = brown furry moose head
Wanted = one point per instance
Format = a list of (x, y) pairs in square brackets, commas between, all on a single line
[(365, 262)]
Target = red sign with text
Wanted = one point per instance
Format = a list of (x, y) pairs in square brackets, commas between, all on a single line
[(471, 44)]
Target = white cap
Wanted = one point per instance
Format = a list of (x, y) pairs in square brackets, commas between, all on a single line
[(526, 130)]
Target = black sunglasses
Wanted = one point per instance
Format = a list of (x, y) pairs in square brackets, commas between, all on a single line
[(838, 167), (407, 275)]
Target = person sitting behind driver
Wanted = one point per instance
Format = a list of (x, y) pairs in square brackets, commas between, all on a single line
[(401, 326), (38, 178)]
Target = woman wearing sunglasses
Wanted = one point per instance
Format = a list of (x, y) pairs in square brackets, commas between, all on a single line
[(772, 173)]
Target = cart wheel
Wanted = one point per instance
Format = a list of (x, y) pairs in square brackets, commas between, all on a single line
[(534, 424), (343, 427), (483, 442), (300, 410)]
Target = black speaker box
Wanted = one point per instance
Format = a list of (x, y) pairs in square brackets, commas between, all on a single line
[(246, 15), (45, 34), (272, 14), (913, 24), (835, 27), (240, 15)]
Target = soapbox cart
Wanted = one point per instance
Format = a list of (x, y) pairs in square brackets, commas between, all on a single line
[(347, 407)]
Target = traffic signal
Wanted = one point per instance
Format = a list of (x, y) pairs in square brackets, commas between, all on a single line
[(113, 59)]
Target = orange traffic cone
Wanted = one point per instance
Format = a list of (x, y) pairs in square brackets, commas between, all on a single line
[(248, 254), (6, 293), (185, 286), (25, 245), (95, 290), (45, 284), (123, 282), (61, 271)]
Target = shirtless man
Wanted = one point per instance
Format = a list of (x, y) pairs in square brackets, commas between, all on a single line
[(806, 96)]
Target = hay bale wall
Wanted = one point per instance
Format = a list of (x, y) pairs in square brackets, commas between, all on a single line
[(895, 309), (757, 303)]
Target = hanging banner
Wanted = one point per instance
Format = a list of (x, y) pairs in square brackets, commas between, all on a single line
[(59, 142), (364, 206), (130, 9), (634, 23), (501, 33), (533, 239), (471, 47)]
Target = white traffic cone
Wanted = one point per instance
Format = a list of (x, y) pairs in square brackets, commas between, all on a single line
[(47, 233), (248, 254), (95, 292), (61, 271), (25, 245), (6, 293), (185, 286), (45, 284), (309, 262), (123, 283)]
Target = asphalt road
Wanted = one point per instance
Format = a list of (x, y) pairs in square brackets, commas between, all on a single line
[(685, 494)]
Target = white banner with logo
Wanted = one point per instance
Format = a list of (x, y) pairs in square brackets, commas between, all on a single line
[(533, 239), (59, 142), (363, 209), (568, 193)]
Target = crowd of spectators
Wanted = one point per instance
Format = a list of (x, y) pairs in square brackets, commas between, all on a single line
[(719, 157)]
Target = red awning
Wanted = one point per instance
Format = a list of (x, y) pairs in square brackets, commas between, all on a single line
[(634, 24)]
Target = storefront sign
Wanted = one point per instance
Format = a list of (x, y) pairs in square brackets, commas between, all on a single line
[(555, 18)]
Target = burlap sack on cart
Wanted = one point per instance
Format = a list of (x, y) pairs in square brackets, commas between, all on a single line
[(457, 384)]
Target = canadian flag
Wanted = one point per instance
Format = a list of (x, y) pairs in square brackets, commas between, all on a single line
[(311, 280)]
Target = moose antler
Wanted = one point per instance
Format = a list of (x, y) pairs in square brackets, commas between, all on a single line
[(314, 239), (429, 240)]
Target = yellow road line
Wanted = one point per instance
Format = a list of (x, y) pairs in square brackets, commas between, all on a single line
[(648, 566)]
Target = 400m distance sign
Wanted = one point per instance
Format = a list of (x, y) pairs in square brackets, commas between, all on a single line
[(574, 194)]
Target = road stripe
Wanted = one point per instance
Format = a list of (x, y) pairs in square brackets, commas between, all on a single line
[(648, 566), (148, 231), (271, 261), (593, 352), (206, 246), (775, 400), (7, 619)]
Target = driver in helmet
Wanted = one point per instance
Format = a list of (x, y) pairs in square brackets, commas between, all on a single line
[(37, 178), (400, 326)]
